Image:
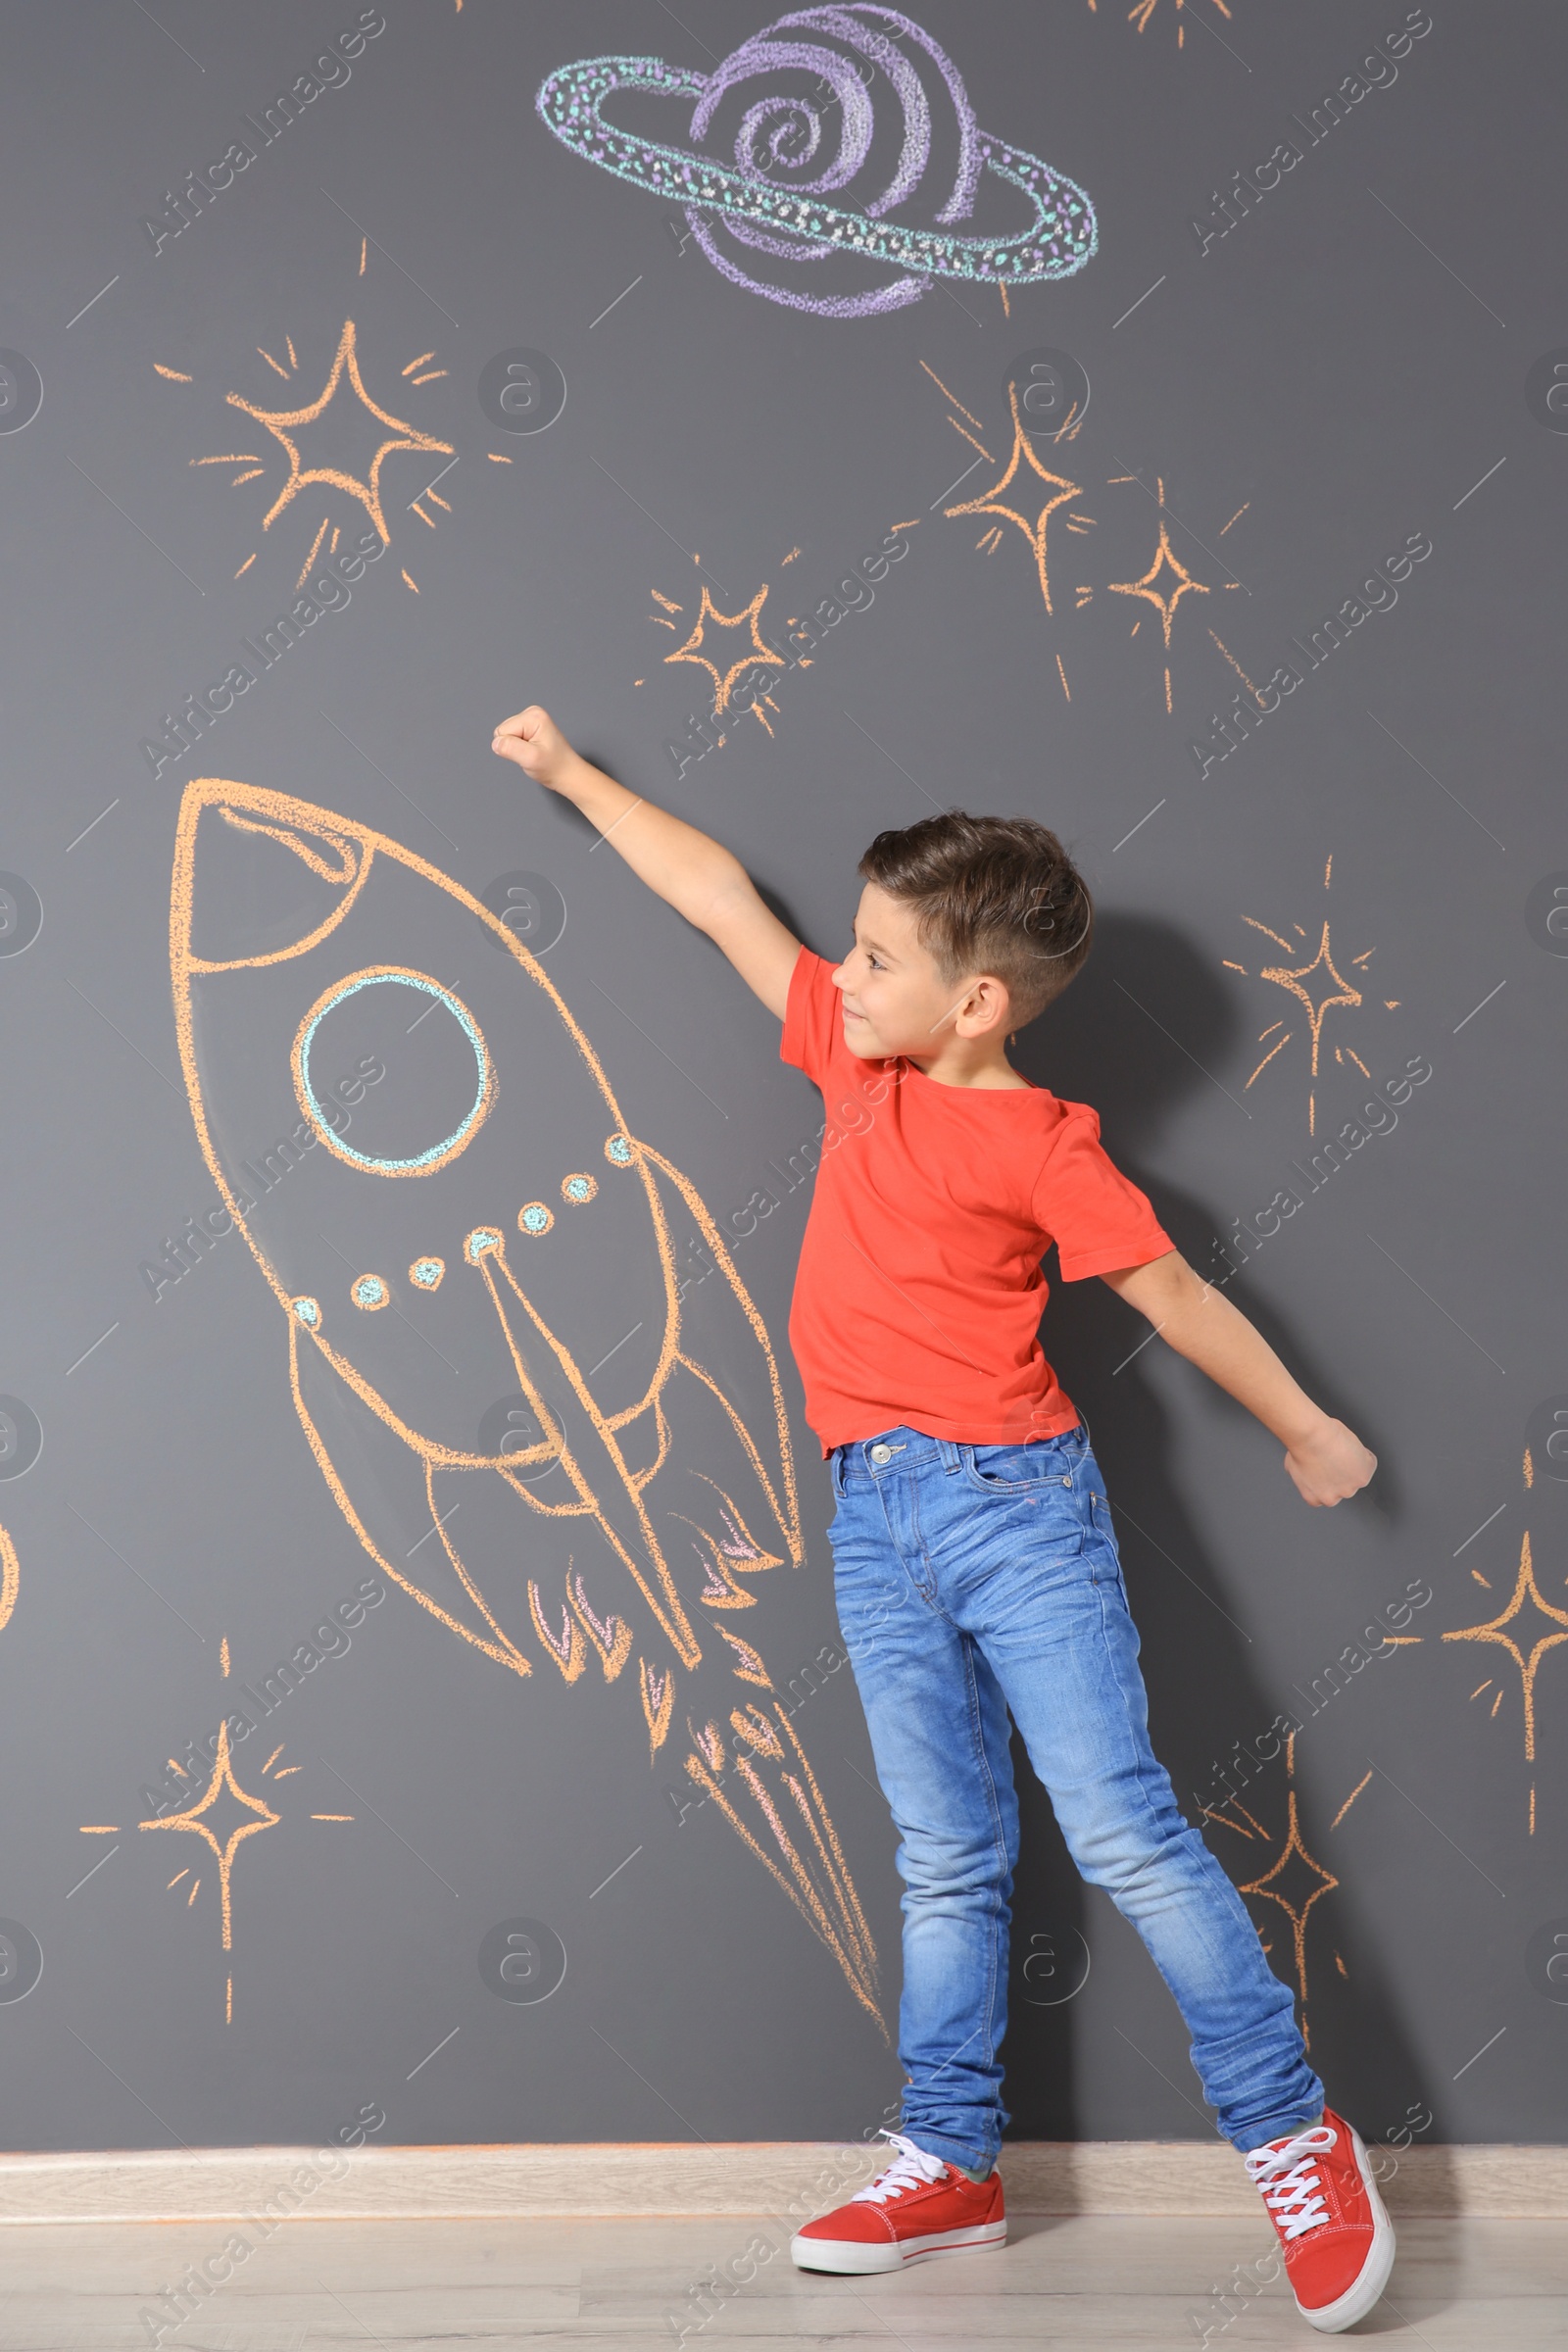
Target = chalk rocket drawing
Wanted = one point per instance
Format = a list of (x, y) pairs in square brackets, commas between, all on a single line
[(805, 142), (528, 1246)]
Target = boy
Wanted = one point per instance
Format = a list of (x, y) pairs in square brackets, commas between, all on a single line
[(975, 1568)]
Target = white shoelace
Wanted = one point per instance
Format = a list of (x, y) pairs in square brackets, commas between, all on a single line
[(1289, 2183), (911, 2168)]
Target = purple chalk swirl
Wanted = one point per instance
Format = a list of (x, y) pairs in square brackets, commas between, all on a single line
[(820, 70)]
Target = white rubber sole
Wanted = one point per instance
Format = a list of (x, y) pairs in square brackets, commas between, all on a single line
[(1358, 2300), (846, 2256)]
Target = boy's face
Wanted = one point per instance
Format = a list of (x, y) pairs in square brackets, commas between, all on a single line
[(892, 998)]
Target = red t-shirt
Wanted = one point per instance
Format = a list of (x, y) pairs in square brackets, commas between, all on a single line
[(920, 1291)]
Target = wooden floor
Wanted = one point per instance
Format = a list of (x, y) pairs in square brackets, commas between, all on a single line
[(1144, 2285)]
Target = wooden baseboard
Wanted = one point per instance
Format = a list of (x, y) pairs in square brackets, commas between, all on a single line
[(788, 2179), (1194, 2177)]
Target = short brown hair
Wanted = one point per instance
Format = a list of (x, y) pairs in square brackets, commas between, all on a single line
[(991, 894)]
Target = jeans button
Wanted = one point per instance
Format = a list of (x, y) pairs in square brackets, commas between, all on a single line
[(881, 1454)]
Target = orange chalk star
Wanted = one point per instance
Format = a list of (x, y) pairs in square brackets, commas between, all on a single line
[(989, 501), (1296, 1880), (1526, 1607), (1165, 606), (1306, 1874), (192, 1821), (1332, 988), (709, 618), (283, 424)]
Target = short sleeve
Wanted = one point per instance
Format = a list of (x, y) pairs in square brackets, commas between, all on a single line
[(811, 1016), (1098, 1218)]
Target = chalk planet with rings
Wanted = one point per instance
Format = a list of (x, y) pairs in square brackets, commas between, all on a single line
[(787, 159)]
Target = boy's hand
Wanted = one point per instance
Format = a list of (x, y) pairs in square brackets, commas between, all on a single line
[(1329, 1464), (1326, 1460), (533, 740)]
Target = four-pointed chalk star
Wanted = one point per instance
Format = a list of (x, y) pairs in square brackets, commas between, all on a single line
[(1332, 988), (1537, 1622), (1306, 1872), (990, 502), (191, 1821), (1146, 586), (1317, 984), (282, 424), (1294, 1880)]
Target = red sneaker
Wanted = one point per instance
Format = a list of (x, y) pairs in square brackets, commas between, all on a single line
[(1337, 2235), (918, 2206)]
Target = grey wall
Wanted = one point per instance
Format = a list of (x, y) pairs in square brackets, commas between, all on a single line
[(1342, 372)]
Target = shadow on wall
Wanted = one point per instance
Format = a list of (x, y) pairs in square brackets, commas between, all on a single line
[(1203, 1685)]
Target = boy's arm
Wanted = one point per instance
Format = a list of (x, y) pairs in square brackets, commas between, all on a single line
[(699, 876), (1326, 1460)]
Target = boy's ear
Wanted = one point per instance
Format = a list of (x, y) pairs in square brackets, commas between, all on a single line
[(994, 1010)]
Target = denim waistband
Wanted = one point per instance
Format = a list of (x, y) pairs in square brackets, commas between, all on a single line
[(903, 1450)]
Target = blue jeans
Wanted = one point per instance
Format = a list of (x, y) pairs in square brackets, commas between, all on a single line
[(974, 1581)]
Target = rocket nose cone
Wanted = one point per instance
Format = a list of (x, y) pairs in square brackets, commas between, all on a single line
[(273, 875)]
